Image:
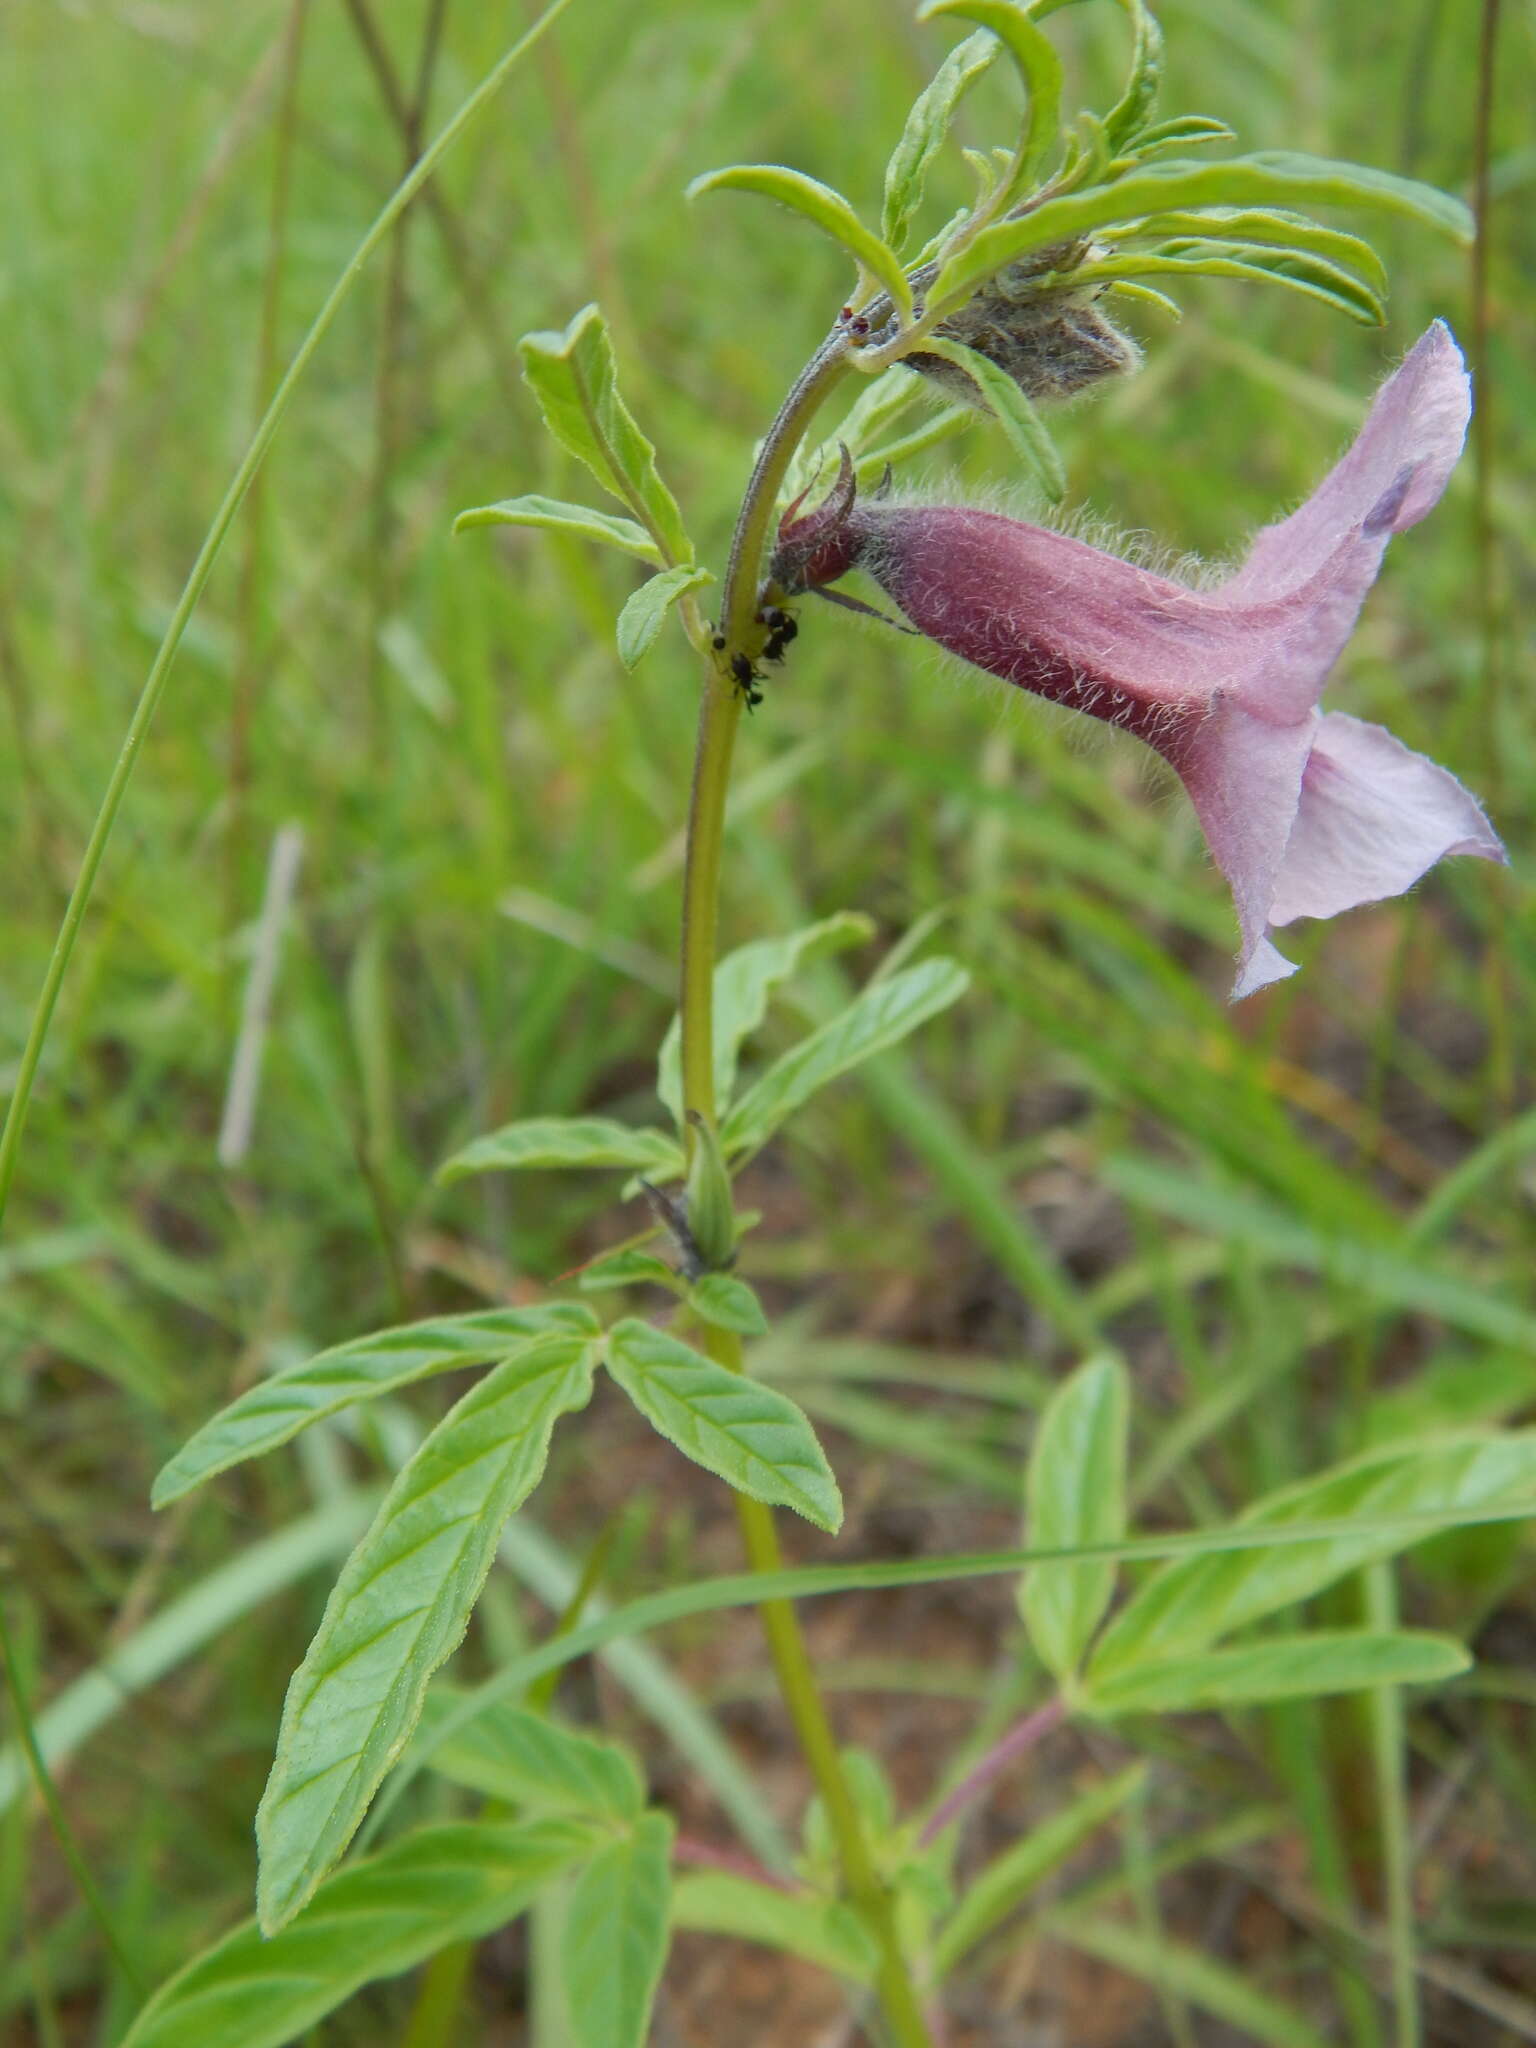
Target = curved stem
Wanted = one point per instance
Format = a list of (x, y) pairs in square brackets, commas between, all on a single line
[(719, 717)]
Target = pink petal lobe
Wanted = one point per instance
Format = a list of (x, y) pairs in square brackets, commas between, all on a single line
[(1244, 779), (1392, 474), (1373, 817)]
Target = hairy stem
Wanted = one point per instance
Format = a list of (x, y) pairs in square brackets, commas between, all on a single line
[(719, 717)]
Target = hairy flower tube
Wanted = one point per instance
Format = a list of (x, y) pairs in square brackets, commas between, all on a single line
[(1307, 813)]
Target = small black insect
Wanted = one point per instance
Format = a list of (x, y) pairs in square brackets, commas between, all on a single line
[(718, 643), (747, 680)]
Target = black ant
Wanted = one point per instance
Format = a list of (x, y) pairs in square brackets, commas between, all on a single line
[(781, 630), (747, 680)]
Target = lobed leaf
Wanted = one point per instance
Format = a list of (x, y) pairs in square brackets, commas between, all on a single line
[(1306, 1665), (543, 1141), (645, 610), (1074, 1494), (615, 1937), (510, 1753), (747, 1434), (879, 1017), (744, 982), (1013, 411), (277, 1408), (400, 1608), (906, 175), (827, 209), (1271, 178), (1004, 1883), (806, 1924), (374, 1919), (1194, 1601), (557, 515), (1038, 66), (573, 377)]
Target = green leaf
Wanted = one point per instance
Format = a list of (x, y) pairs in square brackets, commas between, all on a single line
[(628, 1268), (1302, 1666), (1259, 224), (529, 1761), (800, 1923), (1004, 1883), (1039, 68), (645, 610), (276, 1409), (1273, 178), (556, 514), (828, 210), (615, 1936), (906, 175), (587, 1141), (1309, 275), (879, 1017), (399, 1608), (755, 1439), (744, 982), (1075, 1493), (378, 1917), (1018, 418), (1186, 1973), (1194, 1601), (1125, 121), (572, 375), (1175, 134), (728, 1303)]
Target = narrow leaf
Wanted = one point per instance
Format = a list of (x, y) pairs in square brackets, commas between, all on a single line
[(531, 1762), (1018, 418), (1177, 133), (1274, 178), (1302, 1666), (1186, 1973), (276, 1409), (800, 1923), (1260, 224), (399, 1608), (374, 1919), (879, 1017), (645, 610), (572, 375), (1127, 120), (1039, 68), (828, 210), (628, 1268), (744, 982), (728, 1303), (906, 175), (615, 1937), (1007, 1881), (558, 516), (1309, 275), (1075, 1493), (1194, 1601), (752, 1437), (588, 1141)]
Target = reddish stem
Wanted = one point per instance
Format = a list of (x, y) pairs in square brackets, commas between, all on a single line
[(1021, 1737)]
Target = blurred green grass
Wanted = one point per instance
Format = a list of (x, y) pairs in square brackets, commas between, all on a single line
[(486, 906)]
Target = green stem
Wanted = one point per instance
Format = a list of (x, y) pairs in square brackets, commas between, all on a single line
[(719, 717), (202, 569)]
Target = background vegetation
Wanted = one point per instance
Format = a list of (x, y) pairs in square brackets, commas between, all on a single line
[(1307, 1222)]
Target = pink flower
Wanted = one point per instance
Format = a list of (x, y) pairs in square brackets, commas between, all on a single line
[(1307, 813)]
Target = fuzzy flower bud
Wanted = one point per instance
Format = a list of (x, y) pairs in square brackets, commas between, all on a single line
[(1051, 339), (1306, 813)]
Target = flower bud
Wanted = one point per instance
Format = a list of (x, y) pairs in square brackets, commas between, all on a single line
[(1050, 338), (711, 1212)]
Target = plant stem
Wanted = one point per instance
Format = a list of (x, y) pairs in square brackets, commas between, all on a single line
[(719, 717)]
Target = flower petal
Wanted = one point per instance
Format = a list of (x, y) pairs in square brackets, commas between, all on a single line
[(1373, 817), (1391, 476), (1244, 779)]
